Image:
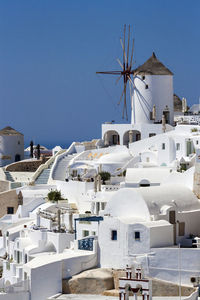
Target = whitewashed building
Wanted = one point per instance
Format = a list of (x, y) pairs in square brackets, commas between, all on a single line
[(11, 146), (151, 99)]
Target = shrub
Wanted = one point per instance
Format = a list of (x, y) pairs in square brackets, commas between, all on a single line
[(105, 176), (194, 130), (54, 195)]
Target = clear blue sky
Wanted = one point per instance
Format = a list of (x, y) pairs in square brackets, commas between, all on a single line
[(51, 49)]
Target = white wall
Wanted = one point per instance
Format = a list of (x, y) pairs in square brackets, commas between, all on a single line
[(161, 236), (46, 281), (61, 241), (144, 129), (112, 253), (167, 155), (159, 92), (164, 264), (77, 192)]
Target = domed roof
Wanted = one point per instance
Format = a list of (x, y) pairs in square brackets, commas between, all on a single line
[(116, 157), (142, 202), (127, 202), (9, 131), (153, 67), (169, 194)]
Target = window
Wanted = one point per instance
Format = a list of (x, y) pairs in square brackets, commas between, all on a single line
[(152, 134), (137, 236), (146, 86), (85, 233), (93, 232), (103, 205), (114, 235), (144, 184), (143, 77), (10, 210), (18, 257), (197, 142), (18, 142), (163, 146), (178, 146), (25, 258)]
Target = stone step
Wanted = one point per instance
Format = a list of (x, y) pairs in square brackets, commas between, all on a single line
[(9, 176)]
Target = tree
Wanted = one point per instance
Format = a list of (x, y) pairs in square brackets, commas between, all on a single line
[(38, 151), (31, 149)]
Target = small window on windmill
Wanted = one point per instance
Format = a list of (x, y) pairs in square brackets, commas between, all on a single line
[(197, 142), (143, 77), (146, 86)]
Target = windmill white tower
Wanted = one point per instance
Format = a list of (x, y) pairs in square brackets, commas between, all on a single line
[(151, 93)]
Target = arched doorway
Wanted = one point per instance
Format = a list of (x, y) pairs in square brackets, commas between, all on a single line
[(111, 138), (17, 157), (135, 135), (126, 138)]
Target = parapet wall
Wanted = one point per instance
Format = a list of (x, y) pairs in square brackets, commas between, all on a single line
[(26, 166)]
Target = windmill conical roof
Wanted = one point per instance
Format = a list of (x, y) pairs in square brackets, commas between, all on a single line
[(153, 67), (9, 131)]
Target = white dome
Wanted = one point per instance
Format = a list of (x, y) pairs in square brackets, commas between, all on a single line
[(127, 202), (143, 202), (169, 194), (115, 158)]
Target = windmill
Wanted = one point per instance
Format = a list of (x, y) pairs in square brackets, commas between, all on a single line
[(125, 72)]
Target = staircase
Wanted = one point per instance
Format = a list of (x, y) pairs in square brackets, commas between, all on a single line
[(61, 168), (8, 176), (44, 176)]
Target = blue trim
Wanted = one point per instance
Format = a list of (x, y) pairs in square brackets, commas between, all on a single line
[(88, 219)]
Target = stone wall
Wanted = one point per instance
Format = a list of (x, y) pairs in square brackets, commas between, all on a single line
[(4, 186), (94, 281), (106, 282), (159, 287), (164, 288), (26, 166), (8, 199)]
